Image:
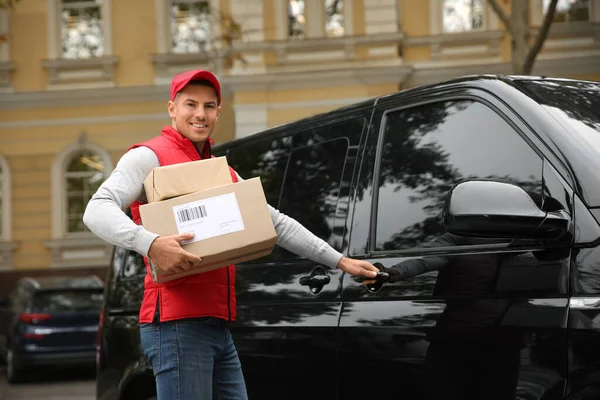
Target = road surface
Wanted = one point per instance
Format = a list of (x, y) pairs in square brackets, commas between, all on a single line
[(68, 385)]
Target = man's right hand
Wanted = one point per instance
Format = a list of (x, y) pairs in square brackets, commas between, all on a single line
[(168, 255)]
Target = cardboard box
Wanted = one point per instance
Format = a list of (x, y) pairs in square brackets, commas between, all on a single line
[(232, 224), (180, 179)]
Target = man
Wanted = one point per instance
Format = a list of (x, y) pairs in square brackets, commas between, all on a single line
[(184, 331)]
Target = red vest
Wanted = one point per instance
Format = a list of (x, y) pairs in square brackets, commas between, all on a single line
[(201, 295)]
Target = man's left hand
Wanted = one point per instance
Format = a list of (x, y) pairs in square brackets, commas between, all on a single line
[(357, 267)]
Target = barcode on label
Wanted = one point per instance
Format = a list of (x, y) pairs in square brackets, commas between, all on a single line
[(191, 214)]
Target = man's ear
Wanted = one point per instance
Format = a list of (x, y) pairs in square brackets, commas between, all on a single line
[(171, 108), (218, 112)]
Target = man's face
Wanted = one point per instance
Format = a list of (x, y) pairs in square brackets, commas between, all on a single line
[(194, 112)]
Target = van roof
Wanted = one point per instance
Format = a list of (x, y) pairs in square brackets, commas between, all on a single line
[(481, 80)]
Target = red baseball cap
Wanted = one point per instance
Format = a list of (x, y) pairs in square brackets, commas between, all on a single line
[(181, 80)]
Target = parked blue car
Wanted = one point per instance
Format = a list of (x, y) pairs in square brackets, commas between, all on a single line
[(50, 321)]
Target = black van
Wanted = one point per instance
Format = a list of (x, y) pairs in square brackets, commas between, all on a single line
[(482, 192)]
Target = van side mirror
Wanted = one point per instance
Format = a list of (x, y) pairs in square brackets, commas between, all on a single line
[(490, 209)]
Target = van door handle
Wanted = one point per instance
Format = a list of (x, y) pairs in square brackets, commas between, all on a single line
[(316, 280), (379, 280)]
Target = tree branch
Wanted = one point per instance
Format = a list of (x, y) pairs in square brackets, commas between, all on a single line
[(331, 9), (501, 14), (541, 38)]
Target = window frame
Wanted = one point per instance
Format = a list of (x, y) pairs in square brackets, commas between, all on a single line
[(54, 8), (436, 19), (5, 27), (6, 66), (59, 190), (163, 24), (84, 192), (345, 14), (5, 204), (314, 13), (372, 231), (538, 12), (484, 23), (99, 70)]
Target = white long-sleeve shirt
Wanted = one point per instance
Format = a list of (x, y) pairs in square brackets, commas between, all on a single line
[(105, 213)]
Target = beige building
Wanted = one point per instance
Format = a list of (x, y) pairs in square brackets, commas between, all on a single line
[(82, 80)]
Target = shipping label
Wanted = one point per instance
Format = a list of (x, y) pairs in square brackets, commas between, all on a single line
[(209, 218)]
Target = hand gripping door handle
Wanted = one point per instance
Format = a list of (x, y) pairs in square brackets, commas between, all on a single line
[(380, 279), (316, 280)]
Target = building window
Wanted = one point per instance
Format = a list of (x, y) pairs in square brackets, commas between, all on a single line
[(7, 246), (301, 19), (190, 26), (84, 173), (570, 10), (462, 15), (79, 43), (6, 66), (77, 172), (5, 210), (296, 19), (334, 23), (187, 26), (81, 29)]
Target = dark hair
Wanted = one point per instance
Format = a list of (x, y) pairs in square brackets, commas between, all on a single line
[(201, 82)]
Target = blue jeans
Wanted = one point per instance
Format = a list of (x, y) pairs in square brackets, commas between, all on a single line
[(193, 359)]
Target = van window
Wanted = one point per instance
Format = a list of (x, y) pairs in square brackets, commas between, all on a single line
[(312, 187), (264, 158), (117, 261), (20, 297), (305, 183), (428, 149), (574, 105), (133, 266)]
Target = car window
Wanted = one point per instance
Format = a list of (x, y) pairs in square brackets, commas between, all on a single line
[(118, 257), (313, 183), (20, 298), (426, 150), (312, 187), (303, 183), (12, 297), (68, 300), (129, 288), (133, 266), (575, 105), (130, 266), (264, 158)]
